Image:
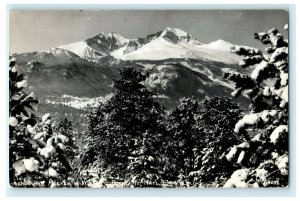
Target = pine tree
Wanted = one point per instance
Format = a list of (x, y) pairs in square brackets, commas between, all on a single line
[(263, 156), (144, 162), (199, 133), (121, 122), (182, 138), (53, 148), (23, 158), (65, 128), (214, 122), (36, 158)]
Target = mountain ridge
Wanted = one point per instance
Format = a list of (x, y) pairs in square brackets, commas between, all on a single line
[(164, 44)]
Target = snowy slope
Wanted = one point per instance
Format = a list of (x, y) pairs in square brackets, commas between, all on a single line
[(218, 45), (82, 50), (60, 52), (157, 49), (160, 49)]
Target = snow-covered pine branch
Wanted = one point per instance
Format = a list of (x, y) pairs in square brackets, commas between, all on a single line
[(265, 161)]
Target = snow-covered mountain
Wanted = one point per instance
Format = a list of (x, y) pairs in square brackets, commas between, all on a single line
[(83, 50), (73, 78), (98, 46), (166, 44)]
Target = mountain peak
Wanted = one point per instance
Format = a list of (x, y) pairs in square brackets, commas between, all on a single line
[(178, 32), (175, 35), (219, 44), (104, 43), (111, 35), (108, 37)]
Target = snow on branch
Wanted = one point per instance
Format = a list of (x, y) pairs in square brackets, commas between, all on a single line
[(245, 51), (241, 80), (251, 60), (254, 118), (279, 54)]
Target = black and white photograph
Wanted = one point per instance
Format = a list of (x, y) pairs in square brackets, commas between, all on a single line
[(148, 98)]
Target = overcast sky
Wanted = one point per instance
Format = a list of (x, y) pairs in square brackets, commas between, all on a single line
[(40, 30)]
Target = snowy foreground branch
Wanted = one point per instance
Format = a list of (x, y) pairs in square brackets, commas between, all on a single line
[(263, 156)]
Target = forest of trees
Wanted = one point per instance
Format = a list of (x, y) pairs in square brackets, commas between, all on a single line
[(134, 139)]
